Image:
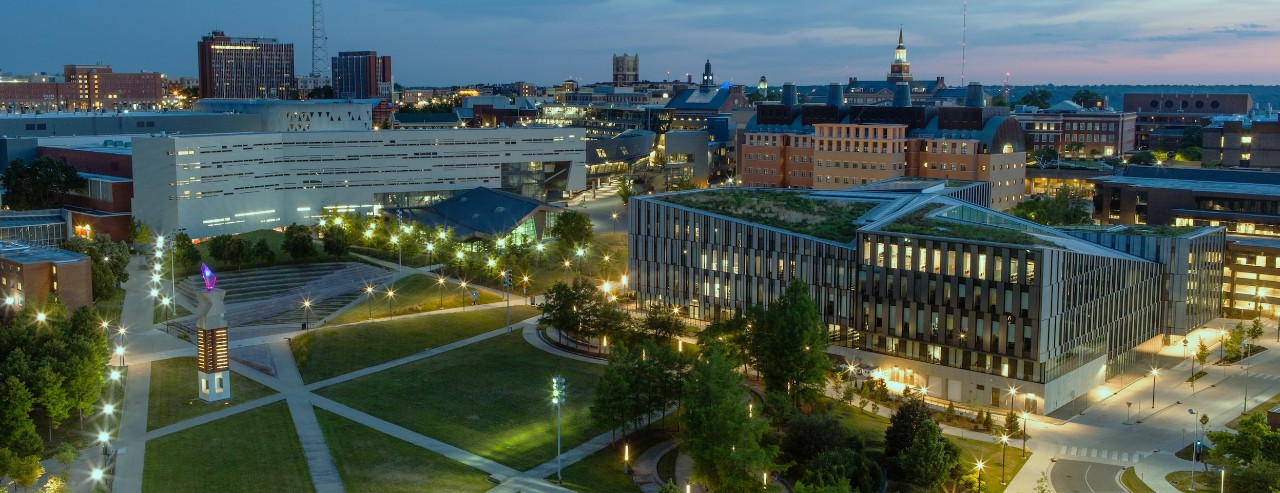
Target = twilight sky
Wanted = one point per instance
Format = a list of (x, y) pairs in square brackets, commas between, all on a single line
[(437, 42)]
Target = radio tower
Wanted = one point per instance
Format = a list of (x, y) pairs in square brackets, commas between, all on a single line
[(319, 40), (964, 38)]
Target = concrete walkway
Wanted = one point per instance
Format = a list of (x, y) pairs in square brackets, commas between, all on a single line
[(645, 470), (324, 474)]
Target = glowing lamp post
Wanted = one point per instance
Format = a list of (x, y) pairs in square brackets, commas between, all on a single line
[(391, 296), (1025, 415), (368, 299), (557, 398), (978, 466), (1004, 454), (306, 314), (440, 288), (1155, 372)]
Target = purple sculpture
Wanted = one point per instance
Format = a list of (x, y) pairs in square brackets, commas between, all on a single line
[(209, 279)]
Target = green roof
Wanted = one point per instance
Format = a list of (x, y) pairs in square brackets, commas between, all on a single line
[(799, 212), (916, 223)]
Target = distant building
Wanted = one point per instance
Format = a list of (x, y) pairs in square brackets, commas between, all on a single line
[(245, 68), (86, 87), (29, 273), (875, 93), (693, 106), (483, 213), (1243, 142), (1101, 133), (40, 227), (1162, 118), (362, 75), (626, 69)]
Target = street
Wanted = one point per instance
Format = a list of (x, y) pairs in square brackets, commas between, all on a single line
[(1073, 476)]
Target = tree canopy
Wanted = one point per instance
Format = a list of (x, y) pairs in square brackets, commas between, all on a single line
[(109, 261), (719, 434), (1036, 97), (792, 345), (1082, 96), (572, 229), (40, 184), (1067, 207)]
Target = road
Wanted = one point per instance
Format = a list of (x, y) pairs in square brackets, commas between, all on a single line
[(1073, 476)]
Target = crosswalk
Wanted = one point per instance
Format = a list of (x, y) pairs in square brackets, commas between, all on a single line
[(1069, 452)]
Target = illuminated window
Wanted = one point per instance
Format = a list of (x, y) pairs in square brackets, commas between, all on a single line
[(1248, 139)]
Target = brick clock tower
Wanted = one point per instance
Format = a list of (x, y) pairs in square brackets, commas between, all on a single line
[(900, 70), (212, 364)]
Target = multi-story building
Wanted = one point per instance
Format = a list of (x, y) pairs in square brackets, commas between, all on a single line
[(834, 146), (626, 69), (1243, 142), (1163, 118), (245, 68), (692, 107), (234, 183), (883, 92), (914, 279), (29, 273), (362, 75), (47, 227), (87, 87), (1245, 203), (1100, 133)]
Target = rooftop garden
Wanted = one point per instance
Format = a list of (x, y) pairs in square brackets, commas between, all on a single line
[(829, 219), (916, 223), (1159, 230)]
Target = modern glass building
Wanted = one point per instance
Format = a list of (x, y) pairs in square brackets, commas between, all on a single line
[(916, 280)]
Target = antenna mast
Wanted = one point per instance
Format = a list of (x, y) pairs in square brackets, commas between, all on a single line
[(964, 38), (319, 40)]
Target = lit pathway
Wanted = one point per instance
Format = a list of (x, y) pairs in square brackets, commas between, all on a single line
[(645, 471)]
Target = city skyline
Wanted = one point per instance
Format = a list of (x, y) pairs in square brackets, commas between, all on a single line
[(819, 42)]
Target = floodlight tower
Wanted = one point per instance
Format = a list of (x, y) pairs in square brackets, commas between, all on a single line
[(319, 40)]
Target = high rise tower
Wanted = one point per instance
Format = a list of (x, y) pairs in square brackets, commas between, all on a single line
[(626, 69), (708, 79), (763, 87), (900, 70)]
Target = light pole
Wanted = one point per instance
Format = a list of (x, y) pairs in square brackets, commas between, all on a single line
[(395, 240), (368, 299), (440, 287), (525, 286), (1222, 337), (120, 353), (1195, 451), (557, 398), (1245, 408), (1004, 454), (978, 466), (1155, 372), (1025, 415), (615, 222), (506, 291), (306, 314), (463, 286), (1013, 392), (391, 296)]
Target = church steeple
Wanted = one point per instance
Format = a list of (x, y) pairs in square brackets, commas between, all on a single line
[(900, 70), (708, 79)]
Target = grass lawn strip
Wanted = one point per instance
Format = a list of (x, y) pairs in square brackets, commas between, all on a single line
[(173, 393), (415, 293), (1134, 484), (1257, 409), (492, 399), (329, 352), (602, 472), (257, 450), (370, 461)]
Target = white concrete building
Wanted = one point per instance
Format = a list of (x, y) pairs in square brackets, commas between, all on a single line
[(208, 185)]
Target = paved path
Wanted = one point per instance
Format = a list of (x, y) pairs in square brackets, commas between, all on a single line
[(1072, 476), (130, 441), (324, 474), (645, 470)]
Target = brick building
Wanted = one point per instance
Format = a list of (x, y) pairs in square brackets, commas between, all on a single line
[(1101, 133), (87, 87), (1162, 118), (362, 75), (29, 273), (1243, 142)]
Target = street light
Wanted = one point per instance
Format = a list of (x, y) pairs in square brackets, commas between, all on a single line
[(40, 317), (368, 292), (557, 398), (525, 287), (1004, 454), (1013, 393), (463, 285), (306, 314), (1222, 334), (115, 375), (1025, 415), (1195, 451), (391, 296), (120, 353), (440, 288), (978, 466), (1155, 372)]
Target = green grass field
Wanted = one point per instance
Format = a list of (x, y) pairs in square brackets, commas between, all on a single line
[(1135, 484), (415, 293), (491, 398), (257, 450), (602, 472), (330, 352), (173, 393), (370, 461)]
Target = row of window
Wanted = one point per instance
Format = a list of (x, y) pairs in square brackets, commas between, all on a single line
[(838, 164)]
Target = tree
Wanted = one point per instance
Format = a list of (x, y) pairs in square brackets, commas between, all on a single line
[(572, 229), (240, 251), (625, 192), (793, 344), (322, 92), (1036, 97), (1142, 157), (662, 323), (188, 256), (1233, 344), (851, 463), (1193, 136), (220, 247), (999, 100), (720, 437), (1011, 425), (1083, 96), (102, 282), (109, 261), (19, 433), (1073, 149), (807, 436), (40, 184), (1259, 476), (55, 484), (1253, 440), (682, 183), (335, 243), (263, 252), (1194, 153), (26, 471), (611, 404), (140, 233), (189, 96), (929, 458), (1202, 351), (1066, 207), (1044, 155), (297, 242), (904, 424), (1042, 483), (66, 454), (669, 487), (1254, 332), (52, 396)]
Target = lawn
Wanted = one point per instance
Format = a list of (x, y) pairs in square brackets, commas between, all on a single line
[(416, 293), (1181, 480), (491, 398), (1258, 409), (1131, 481), (547, 269), (173, 392), (602, 472), (161, 313), (109, 308), (252, 451), (374, 462), (330, 352)]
